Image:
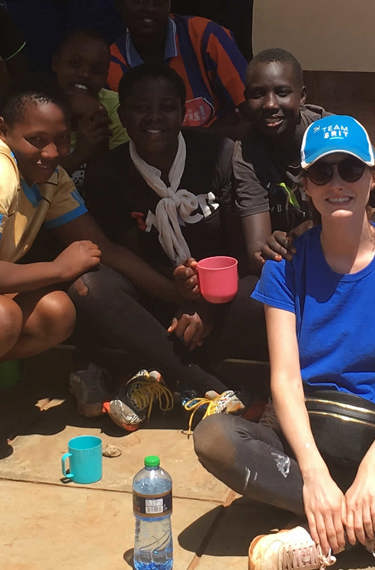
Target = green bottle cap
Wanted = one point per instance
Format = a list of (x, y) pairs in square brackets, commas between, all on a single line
[(152, 461)]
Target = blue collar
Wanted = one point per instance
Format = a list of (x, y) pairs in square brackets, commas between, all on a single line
[(134, 59), (53, 179)]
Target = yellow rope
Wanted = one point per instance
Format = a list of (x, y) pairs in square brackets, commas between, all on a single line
[(195, 404), (145, 389)]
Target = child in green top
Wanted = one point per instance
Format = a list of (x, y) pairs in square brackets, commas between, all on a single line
[(81, 65)]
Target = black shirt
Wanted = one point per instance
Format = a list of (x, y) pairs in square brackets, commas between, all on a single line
[(120, 200)]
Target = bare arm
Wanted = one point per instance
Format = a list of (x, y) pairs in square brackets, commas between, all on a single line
[(74, 260), (280, 244), (119, 258), (360, 501), (256, 229), (261, 244), (323, 500), (286, 379), (251, 202), (18, 278)]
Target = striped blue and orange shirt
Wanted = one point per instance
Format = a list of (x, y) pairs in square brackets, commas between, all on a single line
[(207, 58)]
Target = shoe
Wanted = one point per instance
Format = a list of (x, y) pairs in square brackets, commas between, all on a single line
[(183, 396), (292, 549), (213, 403), (134, 402), (89, 388)]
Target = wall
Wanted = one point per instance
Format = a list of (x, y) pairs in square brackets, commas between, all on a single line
[(334, 35), (335, 43)]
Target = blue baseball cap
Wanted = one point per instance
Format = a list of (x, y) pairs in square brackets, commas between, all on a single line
[(336, 133)]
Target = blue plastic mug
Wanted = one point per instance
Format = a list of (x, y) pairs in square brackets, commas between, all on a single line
[(85, 459)]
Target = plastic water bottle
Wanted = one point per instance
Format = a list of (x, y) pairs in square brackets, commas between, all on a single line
[(152, 506)]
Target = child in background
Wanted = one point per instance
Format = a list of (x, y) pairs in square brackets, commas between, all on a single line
[(266, 164), (81, 66), (90, 131)]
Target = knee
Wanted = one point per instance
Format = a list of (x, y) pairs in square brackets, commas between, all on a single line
[(100, 283), (11, 322), (208, 438), (56, 316)]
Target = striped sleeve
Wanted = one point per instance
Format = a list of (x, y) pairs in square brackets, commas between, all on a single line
[(224, 62), (117, 67)]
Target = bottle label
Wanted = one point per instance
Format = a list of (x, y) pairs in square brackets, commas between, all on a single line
[(152, 506)]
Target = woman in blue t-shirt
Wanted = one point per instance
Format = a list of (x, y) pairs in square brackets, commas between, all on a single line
[(321, 336)]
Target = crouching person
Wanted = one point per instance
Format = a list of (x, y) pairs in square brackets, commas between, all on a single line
[(35, 312)]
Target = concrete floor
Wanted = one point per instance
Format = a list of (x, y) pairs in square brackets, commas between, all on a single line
[(46, 524)]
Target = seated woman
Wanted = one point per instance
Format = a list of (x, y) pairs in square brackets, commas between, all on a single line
[(321, 334), (164, 195)]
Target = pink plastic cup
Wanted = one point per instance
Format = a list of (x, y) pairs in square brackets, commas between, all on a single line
[(218, 278)]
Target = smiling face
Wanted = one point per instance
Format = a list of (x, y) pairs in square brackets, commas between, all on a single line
[(274, 96), (153, 113), (81, 65), (338, 197), (39, 139), (146, 19)]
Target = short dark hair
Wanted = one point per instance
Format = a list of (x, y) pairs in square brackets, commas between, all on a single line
[(13, 107), (279, 55), (80, 32), (151, 71)]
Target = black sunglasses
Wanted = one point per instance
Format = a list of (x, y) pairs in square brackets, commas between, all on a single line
[(350, 169)]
